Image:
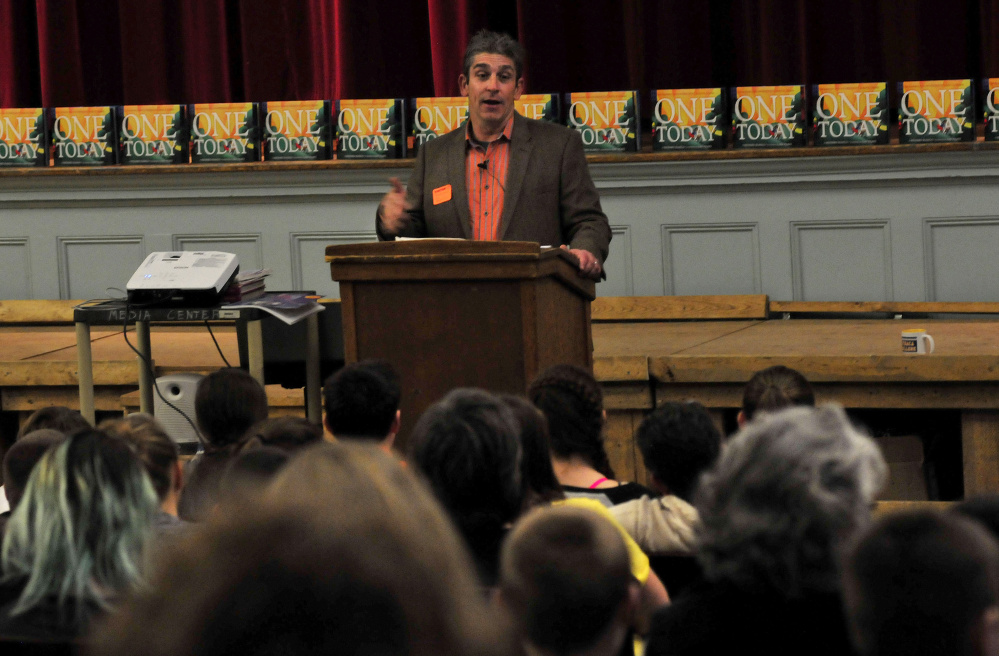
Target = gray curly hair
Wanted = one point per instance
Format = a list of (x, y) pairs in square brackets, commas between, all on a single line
[(786, 495)]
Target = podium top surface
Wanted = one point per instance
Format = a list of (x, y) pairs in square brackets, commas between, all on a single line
[(455, 259)]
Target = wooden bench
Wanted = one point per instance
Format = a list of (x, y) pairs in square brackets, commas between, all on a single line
[(788, 308), (677, 308), (37, 312)]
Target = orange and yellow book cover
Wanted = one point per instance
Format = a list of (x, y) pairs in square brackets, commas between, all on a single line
[(23, 137), (539, 106), (850, 114), (607, 121), (990, 108), (936, 111), (433, 117), (371, 129), (769, 117), (153, 134), (225, 132), (83, 136), (688, 119), (296, 130)]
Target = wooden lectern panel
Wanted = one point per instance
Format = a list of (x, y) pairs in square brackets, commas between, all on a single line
[(454, 313)]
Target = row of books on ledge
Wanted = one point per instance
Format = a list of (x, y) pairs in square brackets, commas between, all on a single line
[(857, 114)]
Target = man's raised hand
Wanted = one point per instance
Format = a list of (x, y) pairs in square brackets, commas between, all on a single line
[(392, 210)]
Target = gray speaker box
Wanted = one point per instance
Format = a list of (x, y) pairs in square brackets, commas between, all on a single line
[(178, 389)]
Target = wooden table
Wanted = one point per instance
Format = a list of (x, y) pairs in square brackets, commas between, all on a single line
[(857, 363)]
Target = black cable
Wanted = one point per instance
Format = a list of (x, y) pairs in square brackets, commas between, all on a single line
[(217, 347), (149, 368)]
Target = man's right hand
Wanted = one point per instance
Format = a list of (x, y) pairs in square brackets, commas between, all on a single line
[(392, 210)]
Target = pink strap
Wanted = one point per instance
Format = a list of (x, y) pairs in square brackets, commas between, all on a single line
[(598, 482)]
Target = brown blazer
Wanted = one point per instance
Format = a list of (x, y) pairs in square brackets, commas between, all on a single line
[(549, 198)]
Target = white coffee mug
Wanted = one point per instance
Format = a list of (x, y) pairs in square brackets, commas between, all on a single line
[(915, 340)]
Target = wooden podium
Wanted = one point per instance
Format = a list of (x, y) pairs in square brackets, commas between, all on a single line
[(454, 313)]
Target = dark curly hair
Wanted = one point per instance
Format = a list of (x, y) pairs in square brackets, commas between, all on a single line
[(678, 441), (572, 401)]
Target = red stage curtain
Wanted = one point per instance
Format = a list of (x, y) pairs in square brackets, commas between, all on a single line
[(76, 52)]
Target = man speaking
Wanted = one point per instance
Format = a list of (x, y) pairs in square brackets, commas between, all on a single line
[(501, 176)]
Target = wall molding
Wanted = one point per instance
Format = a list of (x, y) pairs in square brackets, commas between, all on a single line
[(668, 230), (181, 240), (22, 242), (798, 228), (63, 245), (296, 240), (929, 258)]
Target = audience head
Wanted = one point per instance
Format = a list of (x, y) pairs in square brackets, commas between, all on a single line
[(347, 553), (573, 403), (493, 43), (80, 530), (227, 403), (287, 433), (22, 457), (787, 493), (56, 417), (923, 583), (678, 442), (157, 451), (536, 473), (566, 578), (772, 389), (984, 509), (247, 475), (362, 401), (466, 445)]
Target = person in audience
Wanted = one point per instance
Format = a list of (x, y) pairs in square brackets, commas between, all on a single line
[(248, 474), (788, 493), (347, 553), (924, 583), (161, 458), (466, 445), (361, 401), (287, 433), (226, 404), (55, 417), (565, 577), (18, 462), (984, 509), (678, 442), (541, 489), (572, 402), (76, 541), (772, 389)]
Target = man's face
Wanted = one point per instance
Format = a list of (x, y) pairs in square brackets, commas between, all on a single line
[(491, 87)]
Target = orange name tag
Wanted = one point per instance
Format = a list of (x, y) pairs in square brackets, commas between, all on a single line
[(442, 194)]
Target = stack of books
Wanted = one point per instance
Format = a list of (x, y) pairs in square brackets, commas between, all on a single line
[(247, 286)]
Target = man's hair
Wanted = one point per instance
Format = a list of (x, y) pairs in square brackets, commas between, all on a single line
[(227, 403), (361, 400), (80, 531), (776, 388), (678, 442), (918, 583), (56, 417), (538, 478), (248, 473), (466, 445), (22, 457), (565, 574), (494, 43), (150, 441), (287, 433), (346, 553), (573, 403), (788, 492), (984, 509)]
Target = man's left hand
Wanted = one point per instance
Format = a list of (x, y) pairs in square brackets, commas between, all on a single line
[(589, 266)]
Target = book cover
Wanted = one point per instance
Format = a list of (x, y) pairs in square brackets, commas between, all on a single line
[(371, 129), (83, 136), (688, 119), (990, 108), (433, 117), (23, 137), (936, 111), (769, 117), (539, 106), (850, 114), (225, 132), (296, 130), (153, 134), (607, 121)]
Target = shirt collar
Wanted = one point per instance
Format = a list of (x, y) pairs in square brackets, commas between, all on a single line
[(507, 132)]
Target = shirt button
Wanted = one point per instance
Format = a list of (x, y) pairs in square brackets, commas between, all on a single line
[(487, 213), (487, 186)]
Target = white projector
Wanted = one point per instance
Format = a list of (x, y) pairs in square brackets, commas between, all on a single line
[(182, 277)]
